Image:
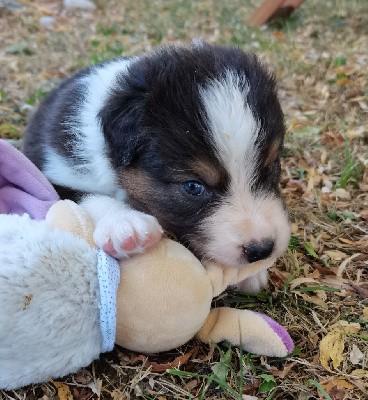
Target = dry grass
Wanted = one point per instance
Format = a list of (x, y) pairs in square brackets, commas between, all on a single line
[(321, 61)]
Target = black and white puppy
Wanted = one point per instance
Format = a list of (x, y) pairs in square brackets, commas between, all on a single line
[(184, 139)]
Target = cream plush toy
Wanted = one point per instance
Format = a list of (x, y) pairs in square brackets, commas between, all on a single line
[(54, 320), (63, 302)]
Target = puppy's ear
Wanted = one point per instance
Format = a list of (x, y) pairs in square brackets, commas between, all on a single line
[(121, 118)]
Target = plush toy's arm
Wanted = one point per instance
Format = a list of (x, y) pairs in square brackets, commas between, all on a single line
[(71, 217), (221, 277), (254, 332)]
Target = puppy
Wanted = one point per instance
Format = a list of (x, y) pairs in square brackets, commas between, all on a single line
[(182, 139)]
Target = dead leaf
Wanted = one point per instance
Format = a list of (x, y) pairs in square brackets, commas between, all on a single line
[(343, 81), (83, 393), (284, 372), (344, 264), (83, 377), (312, 299), (156, 367), (63, 390), (9, 131), (191, 385), (336, 387), (117, 395), (357, 132), (340, 193), (96, 386), (294, 185), (331, 347), (209, 356), (356, 356), (347, 241), (279, 35), (299, 281), (363, 292), (333, 139), (335, 255), (359, 373), (27, 301)]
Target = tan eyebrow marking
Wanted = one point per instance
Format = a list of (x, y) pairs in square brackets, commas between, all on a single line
[(208, 172), (272, 153)]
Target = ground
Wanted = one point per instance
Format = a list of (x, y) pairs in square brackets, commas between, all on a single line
[(319, 289)]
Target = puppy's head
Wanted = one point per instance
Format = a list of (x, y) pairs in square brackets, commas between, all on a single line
[(195, 134)]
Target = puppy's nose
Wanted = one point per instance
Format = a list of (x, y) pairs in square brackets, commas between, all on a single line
[(256, 251)]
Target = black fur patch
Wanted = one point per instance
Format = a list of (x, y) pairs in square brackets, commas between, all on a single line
[(154, 122)]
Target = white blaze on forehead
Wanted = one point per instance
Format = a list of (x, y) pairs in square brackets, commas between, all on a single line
[(243, 216), (232, 124)]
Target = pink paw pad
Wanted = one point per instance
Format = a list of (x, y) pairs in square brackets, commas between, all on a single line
[(130, 244), (108, 248)]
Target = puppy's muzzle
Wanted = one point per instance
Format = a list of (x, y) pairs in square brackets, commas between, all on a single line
[(256, 251)]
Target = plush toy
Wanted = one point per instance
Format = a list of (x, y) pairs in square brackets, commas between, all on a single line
[(63, 302)]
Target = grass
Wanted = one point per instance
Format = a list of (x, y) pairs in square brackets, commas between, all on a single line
[(320, 60), (352, 170)]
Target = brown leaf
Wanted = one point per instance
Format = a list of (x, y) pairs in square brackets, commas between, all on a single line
[(362, 292), (63, 390), (279, 35), (284, 372), (312, 299), (191, 385), (364, 214), (83, 377), (333, 139), (156, 367), (81, 394), (117, 395), (294, 185), (209, 356), (336, 387), (278, 277)]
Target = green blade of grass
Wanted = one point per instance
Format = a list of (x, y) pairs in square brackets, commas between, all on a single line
[(320, 388)]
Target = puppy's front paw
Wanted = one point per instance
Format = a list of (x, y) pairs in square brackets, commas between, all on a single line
[(254, 283), (127, 232)]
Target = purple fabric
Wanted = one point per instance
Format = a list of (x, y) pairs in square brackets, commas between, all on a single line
[(281, 332), (23, 187)]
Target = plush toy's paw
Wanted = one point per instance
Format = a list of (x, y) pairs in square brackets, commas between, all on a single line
[(255, 332), (277, 338), (254, 283), (126, 232)]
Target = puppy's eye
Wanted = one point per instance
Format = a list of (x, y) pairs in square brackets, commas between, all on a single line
[(195, 188)]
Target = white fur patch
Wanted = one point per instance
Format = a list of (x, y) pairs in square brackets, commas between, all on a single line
[(80, 177), (233, 126), (243, 216), (95, 173)]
